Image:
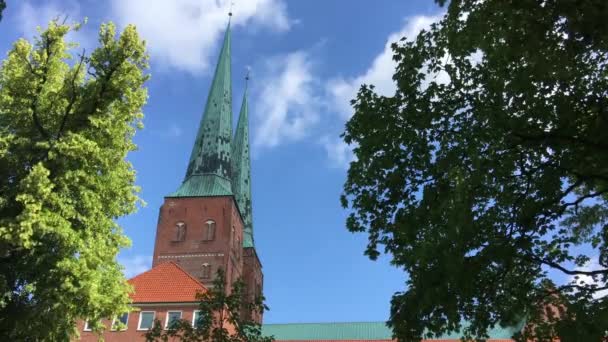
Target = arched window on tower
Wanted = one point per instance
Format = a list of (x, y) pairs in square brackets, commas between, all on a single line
[(209, 232), (238, 248), (180, 231), (205, 271)]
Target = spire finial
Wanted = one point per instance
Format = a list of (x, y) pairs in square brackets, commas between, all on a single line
[(247, 77), (230, 11)]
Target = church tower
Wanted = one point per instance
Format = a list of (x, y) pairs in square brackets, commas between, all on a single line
[(207, 223)]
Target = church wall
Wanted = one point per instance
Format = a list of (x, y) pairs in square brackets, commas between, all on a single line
[(253, 277), (191, 250)]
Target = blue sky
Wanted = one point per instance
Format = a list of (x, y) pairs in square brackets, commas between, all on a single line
[(307, 59)]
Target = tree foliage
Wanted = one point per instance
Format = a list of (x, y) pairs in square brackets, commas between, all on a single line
[(224, 317), (2, 7), (67, 120), (485, 175)]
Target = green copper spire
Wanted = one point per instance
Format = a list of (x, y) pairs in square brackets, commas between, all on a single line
[(241, 166), (209, 169)]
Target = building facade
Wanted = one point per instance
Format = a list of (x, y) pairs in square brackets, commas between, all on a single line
[(164, 293)]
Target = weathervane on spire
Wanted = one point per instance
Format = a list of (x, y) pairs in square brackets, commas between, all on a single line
[(230, 11), (247, 77)]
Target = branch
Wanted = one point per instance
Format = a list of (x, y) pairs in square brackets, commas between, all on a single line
[(582, 198), (567, 271), (45, 69), (73, 97), (548, 136)]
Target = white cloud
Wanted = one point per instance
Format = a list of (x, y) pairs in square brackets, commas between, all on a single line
[(286, 107), (586, 280), (183, 33), (135, 265), (338, 152), (380, 73), (31, 15)]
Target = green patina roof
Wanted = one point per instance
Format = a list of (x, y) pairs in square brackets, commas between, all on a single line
[(354, 331), (203, 185), (241, 171), (209, 169)]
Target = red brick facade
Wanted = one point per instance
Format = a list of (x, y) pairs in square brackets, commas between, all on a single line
[(132, 333), (182, 236), (195, 249), (253, 278)]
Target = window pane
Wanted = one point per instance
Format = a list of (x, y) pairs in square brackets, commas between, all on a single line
[(205, 271), (210, 233), (146, 320), (172, 317), (197, 319), (122, 320)]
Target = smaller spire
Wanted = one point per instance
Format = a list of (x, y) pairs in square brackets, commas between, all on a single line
[(242, 169)]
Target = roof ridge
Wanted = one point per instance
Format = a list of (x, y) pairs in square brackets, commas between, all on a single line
[(177, 266), (141, 274)]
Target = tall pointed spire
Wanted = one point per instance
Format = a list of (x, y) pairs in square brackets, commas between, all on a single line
[(209, 170), (241, 166)]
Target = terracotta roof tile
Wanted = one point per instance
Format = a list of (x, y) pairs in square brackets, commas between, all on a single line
[(165, 283)]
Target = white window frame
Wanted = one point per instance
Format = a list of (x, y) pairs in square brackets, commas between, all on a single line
[(114, 321), (87, 327), (167, 317), (139, 328), (194, 317)]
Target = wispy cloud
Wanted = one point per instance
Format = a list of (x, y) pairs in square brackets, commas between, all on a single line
[(339, 153), (174, 131), (342, 90), (183, 34), (287, 106), (135, 265), (31, 15)]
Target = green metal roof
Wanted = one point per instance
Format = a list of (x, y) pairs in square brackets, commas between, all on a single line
[(203, 185), (210, 160), (354, 331), (328, 331), (241, 172)]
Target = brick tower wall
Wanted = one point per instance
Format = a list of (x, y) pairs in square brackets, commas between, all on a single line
[(254, 280), (190, 249)]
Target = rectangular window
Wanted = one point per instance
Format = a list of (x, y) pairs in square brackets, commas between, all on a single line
[(197, 318), (172, 318), (206, 271), (146, 320), (120, 322)]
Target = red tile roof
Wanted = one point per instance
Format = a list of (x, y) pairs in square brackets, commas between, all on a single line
[(165, 283)]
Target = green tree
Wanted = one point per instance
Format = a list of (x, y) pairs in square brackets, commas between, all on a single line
[(2, 7), (225, 316), (66, 125), (485, 175)]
